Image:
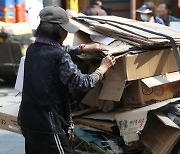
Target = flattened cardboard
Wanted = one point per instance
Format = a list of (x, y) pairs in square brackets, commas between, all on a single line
[(135, 120), (8, 118), (102, 125), (159, 138), (75, 39), (119, 47), (84, 28), (161, 79), (110, 116), (102, 39)]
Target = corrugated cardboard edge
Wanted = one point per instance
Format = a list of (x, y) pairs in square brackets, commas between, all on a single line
[(98, 124), (161, 79)]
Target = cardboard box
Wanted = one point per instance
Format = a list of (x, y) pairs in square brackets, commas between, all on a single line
[(147, 64), (139, 94), (134, 67), (8, 118), (132, 122), (160, 138)]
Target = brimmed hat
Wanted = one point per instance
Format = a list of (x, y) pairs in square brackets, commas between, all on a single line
[(144, 9), (57, 15)]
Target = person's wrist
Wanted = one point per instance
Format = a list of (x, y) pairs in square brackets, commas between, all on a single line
[(103, 69), (99, 73), (81, 48)]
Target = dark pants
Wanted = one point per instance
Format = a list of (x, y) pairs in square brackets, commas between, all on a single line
[(41, 143)]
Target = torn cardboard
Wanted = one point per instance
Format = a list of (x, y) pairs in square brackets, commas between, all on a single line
[(159, 138), (133, 121)]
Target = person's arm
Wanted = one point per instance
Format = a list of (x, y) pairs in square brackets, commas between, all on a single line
[(69, 74), (92, 48)]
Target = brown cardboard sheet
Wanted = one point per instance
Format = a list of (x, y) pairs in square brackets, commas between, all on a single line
[(8, 118), (159, 138), (98, 124)]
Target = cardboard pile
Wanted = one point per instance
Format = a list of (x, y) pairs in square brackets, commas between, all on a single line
[(144, 78)]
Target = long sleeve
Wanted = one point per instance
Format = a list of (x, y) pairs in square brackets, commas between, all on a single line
[(70, 74), (72, 50)]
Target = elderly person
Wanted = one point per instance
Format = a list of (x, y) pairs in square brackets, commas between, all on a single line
[(49, 75), (163, 11)]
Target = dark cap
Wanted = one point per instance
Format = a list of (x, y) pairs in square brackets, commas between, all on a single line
[(57, 15)]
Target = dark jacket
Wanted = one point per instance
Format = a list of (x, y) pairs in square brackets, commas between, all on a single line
[(49, 72), (94, 10), (170, 19)]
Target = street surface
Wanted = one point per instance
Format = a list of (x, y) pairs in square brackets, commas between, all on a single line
[(10, 143)]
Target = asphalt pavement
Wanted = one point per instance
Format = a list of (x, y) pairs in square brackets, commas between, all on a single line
[(10, 143)]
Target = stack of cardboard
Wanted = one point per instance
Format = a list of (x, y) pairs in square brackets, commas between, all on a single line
[(145, 77)]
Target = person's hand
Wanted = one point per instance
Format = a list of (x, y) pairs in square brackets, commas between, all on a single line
[(94, 48), (106, 63)]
